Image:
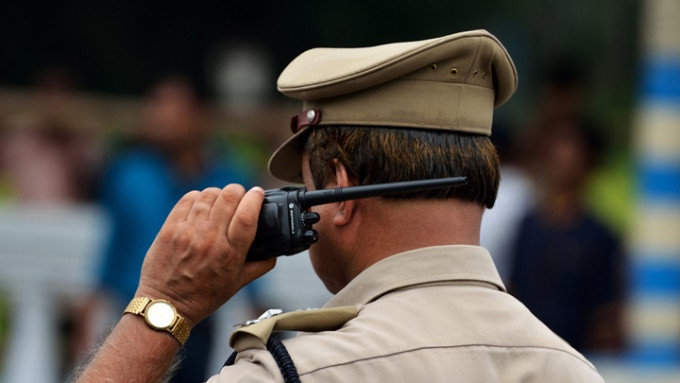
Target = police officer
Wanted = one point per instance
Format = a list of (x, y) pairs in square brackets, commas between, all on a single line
[(415, 299)]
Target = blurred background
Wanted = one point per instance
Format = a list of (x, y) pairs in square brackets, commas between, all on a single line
[(110, 111)]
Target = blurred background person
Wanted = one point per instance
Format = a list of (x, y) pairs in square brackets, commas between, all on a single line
[(169, 157), (567, 266), (49, 151), (36, 162)]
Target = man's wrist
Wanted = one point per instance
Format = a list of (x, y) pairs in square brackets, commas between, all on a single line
[(182, 309), (160, 315)]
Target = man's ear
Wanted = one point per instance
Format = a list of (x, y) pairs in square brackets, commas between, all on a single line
[(346, 209)]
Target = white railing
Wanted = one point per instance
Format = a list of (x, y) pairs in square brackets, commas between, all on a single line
[(47, 255)]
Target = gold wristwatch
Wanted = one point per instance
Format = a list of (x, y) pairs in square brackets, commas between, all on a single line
[(160, 315)]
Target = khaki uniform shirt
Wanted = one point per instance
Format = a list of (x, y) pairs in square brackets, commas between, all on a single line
[(437, 314)]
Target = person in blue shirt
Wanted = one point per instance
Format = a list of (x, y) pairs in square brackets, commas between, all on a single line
[(167, 159)]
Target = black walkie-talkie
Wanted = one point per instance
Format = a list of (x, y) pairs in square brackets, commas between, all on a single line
[(285, 224)]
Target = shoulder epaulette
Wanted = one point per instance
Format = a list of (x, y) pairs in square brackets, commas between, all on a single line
[(256, 333)]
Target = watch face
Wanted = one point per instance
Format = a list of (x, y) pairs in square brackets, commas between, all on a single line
[(160, 314)]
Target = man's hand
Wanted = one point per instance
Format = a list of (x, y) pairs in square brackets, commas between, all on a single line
[(197, 261)]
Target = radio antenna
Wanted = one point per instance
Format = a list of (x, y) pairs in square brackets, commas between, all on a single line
[(320, 197)]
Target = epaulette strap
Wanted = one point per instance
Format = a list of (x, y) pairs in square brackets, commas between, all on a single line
[(256, 335)]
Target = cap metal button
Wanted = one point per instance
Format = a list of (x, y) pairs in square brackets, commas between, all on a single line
[(311, 115)]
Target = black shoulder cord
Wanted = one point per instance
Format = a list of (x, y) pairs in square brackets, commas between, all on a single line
[(282, 358)]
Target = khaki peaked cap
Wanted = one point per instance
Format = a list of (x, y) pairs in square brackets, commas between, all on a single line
[(449, 83)]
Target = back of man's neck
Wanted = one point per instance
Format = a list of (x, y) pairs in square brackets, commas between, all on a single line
[(394, 226)]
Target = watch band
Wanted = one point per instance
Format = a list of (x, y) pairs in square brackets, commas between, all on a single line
[(178, 328)]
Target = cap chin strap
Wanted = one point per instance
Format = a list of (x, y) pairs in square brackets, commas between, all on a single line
[(305, 119)]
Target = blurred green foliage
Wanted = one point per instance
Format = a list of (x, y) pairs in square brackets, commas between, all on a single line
[(611, 192)]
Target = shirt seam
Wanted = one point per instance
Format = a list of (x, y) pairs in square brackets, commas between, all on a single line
[(590, 366)]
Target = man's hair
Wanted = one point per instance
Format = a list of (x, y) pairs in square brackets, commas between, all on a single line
[(374, 155)]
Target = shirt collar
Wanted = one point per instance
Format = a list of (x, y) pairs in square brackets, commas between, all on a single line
[(420, 266)]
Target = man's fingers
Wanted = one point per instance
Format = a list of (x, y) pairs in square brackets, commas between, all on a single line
[(203, 204), (182, 207), (225, 206), (243, 224)]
